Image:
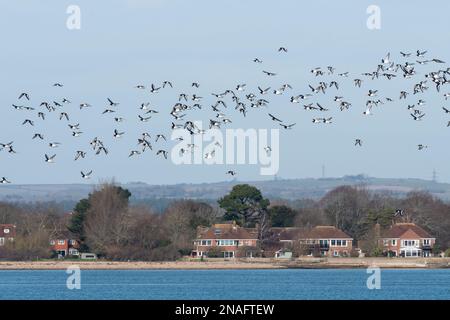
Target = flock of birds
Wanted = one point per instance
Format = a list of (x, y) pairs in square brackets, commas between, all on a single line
[(242, 100)]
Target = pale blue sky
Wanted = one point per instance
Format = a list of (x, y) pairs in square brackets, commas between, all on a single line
[(125, 43)]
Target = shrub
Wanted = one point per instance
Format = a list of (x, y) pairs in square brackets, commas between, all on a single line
[(447, 252), (244, 252), (214, 252), (354, 253), (377, 252)]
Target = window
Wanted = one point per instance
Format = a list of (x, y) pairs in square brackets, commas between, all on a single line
[(339, 243), (217, 232), (2, 241), (73, 242), (6, 231), (227, 242), (426, 242), (228, 254), (336, 253), (52, 242), (333, 242), (61, 242), (394, 242), (409, 243), (344, 243), (205, 242), (385, 242)]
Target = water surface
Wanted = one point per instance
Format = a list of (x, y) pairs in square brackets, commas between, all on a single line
[(226, 284)]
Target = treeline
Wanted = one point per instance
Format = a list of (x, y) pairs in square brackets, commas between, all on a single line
[(105, 222)]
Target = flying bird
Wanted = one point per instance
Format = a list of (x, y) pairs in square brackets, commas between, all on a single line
[(86, 175)]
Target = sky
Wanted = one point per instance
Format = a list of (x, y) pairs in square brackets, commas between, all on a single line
[(121, 44)]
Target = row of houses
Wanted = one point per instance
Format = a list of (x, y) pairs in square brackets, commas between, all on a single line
[(63, 245), (230, 240), (401, 239)]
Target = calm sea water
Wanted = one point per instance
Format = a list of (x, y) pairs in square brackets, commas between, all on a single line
[(226, 284)]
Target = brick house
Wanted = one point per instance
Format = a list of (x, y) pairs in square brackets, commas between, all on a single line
[(320, 240), (406, 240), (229, 238), (63, 245), (7, 233)]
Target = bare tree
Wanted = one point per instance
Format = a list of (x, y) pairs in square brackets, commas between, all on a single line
[(107, 219)]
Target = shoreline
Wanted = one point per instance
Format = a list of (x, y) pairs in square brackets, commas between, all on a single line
[(234, 264)]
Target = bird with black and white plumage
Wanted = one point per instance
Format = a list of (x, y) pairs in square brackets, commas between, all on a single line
[(274, 118), (84, 105), (167, 83), (86, 175), (112, 103), (417, 117), (163, 152), (38, 136), (154, 88), (160, 136), (63, 115), (24, 95), (386, 70), (50, 159), (3, 180), (144, 119), (76, 133), (8, 146), (41, 115), (421, 147), (117, 134), (270, 74), (54, 144), (80, 154), (287, 126)]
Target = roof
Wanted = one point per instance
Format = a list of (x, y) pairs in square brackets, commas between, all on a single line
[(7, 230), (226, 231), (318, 232), (400, 229), (62, 235), (326, 232), (286, 234)]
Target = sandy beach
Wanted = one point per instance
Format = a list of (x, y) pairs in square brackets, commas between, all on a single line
[(306, 263)]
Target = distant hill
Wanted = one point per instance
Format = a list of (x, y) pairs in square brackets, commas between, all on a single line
[(289, 189)]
